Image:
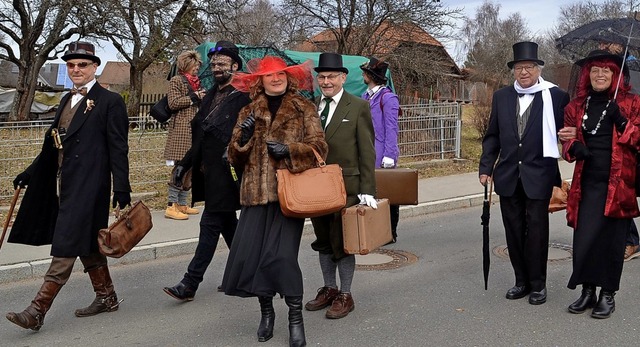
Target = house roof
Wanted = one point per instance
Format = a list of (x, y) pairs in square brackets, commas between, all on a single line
[(385, 41)]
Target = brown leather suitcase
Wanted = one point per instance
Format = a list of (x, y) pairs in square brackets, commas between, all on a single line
[(399, 185), (365, 229)]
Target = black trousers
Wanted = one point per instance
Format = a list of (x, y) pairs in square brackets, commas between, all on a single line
[(212, 224), (526, 224)]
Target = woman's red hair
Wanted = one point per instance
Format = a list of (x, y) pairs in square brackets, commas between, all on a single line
[(584, 81)]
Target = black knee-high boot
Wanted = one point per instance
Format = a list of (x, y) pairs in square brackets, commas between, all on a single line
[(265, 329), (296, 325), (605, 305)]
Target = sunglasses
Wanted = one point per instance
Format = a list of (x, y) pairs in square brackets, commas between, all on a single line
[(81, 65)]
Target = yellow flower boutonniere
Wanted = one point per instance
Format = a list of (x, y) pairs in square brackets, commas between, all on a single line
[(90, 105)]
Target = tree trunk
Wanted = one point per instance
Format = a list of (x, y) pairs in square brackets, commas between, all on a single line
[(25, 92), (135, 92)]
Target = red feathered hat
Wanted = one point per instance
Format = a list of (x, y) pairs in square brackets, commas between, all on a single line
[(269, 64)]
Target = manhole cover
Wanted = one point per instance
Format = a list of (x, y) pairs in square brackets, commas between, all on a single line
[(557, 252), (384, 259)]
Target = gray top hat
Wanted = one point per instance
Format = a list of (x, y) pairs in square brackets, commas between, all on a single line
[(81, 50)]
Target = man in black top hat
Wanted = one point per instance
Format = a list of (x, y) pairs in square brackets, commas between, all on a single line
[(212, 179), (69, 187), (522, 138), (385, 108), (346, 120)]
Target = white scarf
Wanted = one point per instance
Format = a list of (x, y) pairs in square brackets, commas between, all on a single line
[(549, 133)]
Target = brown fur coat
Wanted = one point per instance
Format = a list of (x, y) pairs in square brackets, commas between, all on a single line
[(296, 124)]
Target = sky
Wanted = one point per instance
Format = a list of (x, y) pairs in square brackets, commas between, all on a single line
[(538, 15)]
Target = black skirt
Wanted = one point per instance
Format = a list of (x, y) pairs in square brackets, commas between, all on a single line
[(263, 260), (598, 241)]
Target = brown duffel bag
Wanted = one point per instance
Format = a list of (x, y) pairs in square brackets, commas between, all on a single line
[(125, 233)]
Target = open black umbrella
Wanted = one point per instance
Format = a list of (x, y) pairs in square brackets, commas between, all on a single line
[(486, 261), (580, 41)]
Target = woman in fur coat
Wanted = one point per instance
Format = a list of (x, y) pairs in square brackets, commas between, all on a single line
[(277, 130)]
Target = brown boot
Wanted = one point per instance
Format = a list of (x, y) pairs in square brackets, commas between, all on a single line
[(33, 316), (106, 299)]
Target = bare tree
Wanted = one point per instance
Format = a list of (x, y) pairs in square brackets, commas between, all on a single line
[(352, 22), (489, 42), (141, 31), (33, 33)]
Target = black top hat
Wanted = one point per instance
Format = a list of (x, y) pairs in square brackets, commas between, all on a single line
[(600, 54), (81, 50), (525, 51), (376, 68), (226, 48), (330, 62)]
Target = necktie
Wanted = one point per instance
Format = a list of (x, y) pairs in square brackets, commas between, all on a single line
[(325, 112), (81, 90)]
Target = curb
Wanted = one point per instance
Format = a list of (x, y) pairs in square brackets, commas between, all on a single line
[(38, 268)]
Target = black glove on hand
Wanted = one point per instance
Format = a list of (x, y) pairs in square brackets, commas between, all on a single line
[(277, 150), (225, 156), (195, 99), (21, 180), (613, 111), (580, 151), (247, 127), (177, 174), (122, 199)]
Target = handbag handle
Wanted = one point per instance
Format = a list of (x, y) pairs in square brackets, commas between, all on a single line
[(321, 162)]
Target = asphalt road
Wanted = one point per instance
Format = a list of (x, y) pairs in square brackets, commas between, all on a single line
[(437, 301)]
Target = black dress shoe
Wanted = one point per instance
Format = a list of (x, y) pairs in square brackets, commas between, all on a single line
[(517, 292), (538, 298), (181, 292)]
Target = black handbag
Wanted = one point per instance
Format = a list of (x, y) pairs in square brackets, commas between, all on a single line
[(160, 110)]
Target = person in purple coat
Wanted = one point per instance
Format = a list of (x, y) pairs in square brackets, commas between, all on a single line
[(385, 109)]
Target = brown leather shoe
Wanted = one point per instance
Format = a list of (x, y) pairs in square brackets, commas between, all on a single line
[(341, 306), (323, 299)]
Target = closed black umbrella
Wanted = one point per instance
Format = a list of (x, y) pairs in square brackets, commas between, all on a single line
[(486, 261)]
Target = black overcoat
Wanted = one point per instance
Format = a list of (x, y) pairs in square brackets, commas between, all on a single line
[(212, 181), (95, 148), (520, 158)]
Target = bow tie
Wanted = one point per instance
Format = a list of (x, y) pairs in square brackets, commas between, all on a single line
[(81, 90)]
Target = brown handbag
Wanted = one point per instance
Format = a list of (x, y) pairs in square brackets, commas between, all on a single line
[(312, 193), (125, 233), (558, 201)]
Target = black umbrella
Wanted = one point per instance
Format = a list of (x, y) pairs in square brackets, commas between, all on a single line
[(622, 31), (580, 41), (486, 261)]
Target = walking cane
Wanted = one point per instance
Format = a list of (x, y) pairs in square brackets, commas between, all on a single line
[(14, 200)]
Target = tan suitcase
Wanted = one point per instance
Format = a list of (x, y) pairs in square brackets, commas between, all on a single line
[(399, 185), (365, 229)]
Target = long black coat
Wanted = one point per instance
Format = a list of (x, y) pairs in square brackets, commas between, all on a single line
[(95, 148), (520, 158), (211, 180)]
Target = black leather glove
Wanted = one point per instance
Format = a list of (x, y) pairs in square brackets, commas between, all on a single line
[(195, 99), (277, 150), (580, 151), (613, 111), (122, 199), (247, 127), (225, 156), (21, 180), (177, 174)]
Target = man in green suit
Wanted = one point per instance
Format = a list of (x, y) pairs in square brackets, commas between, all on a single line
[(346, 120)]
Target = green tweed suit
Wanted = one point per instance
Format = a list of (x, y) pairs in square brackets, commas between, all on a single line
[(350, 137)]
